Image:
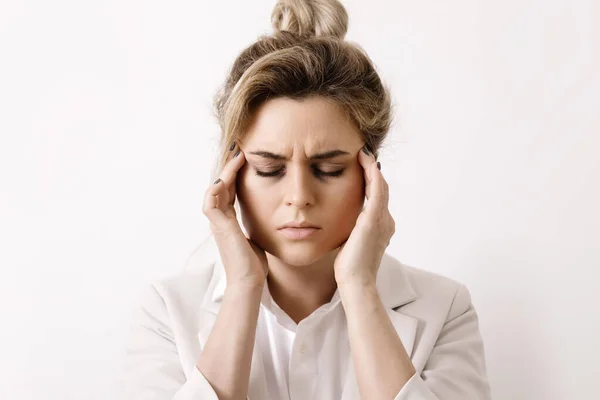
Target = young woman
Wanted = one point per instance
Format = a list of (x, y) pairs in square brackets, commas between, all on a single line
[(306, 303)]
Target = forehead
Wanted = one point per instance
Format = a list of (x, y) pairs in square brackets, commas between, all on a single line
[(306, 126)]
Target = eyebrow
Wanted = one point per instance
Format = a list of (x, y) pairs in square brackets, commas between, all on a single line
[(320, 156)]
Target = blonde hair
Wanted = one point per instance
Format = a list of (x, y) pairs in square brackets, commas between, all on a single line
[(305, 56)]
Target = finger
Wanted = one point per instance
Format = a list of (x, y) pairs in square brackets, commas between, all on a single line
[(384, 184), (210, 207), (229, 174), (376, 199), (367, 161), (220, 194), (376, 190)]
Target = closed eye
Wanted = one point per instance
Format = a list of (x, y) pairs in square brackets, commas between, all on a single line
[(268, 174), (319, 173)]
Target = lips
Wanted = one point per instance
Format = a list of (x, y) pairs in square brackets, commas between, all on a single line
[(298, 233), (299, 224)]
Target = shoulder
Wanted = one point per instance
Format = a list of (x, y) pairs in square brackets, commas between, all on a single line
[(186, 284), (167, 317), (430, 284), (434, 295), (176, 299)]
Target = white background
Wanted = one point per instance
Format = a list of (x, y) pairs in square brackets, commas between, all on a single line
[(107, 143)]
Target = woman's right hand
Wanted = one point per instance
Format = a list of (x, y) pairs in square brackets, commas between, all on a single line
[(244, 262)]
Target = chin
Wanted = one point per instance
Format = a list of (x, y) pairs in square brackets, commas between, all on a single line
[(299, 259), (299, 254)]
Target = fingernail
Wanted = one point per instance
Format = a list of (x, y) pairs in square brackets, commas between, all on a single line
[(379, 165), (364, 149), (217, 181), (232, 146), (237, 153)]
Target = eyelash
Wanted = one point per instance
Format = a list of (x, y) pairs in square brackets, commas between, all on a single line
[(318, 172)]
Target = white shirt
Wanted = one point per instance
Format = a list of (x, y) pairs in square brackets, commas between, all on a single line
[(290, 351), (433, 317)]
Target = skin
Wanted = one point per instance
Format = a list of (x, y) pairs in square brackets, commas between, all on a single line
[(346, 254), (301, 274)]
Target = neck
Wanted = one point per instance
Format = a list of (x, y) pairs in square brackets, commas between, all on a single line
[(300, 290)]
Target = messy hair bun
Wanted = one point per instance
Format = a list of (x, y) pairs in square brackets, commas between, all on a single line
[(310, 17), (305, 56)]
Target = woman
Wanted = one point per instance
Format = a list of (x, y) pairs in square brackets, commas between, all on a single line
[(305, 304)]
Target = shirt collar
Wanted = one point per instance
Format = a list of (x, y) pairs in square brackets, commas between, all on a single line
[(267, 300), (284, 320)]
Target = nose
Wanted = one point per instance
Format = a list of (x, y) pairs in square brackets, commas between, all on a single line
[(299, 190)]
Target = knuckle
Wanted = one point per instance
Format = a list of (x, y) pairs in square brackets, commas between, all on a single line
[(392, 224), (208, 192), (206, 209)]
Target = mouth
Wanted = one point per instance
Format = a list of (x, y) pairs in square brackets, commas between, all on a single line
[(298, 233)]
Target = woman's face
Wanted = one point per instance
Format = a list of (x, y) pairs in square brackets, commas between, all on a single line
[(284, 142)]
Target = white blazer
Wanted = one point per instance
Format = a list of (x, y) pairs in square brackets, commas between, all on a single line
[(432, 314)]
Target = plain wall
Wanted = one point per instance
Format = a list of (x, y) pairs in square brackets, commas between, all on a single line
[(107, 142)]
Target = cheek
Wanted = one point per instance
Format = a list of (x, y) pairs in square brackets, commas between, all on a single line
[(347, 198), (352, 188), (256, 206), (251, 194)]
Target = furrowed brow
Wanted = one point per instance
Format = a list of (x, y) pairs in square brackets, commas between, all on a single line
[(329, 154), (267, 154), (320, 156)]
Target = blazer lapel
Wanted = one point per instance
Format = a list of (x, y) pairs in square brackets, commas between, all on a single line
[(257, 387), (395, 290)]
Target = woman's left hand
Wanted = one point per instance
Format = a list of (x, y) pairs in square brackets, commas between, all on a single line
[(360, 255)]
